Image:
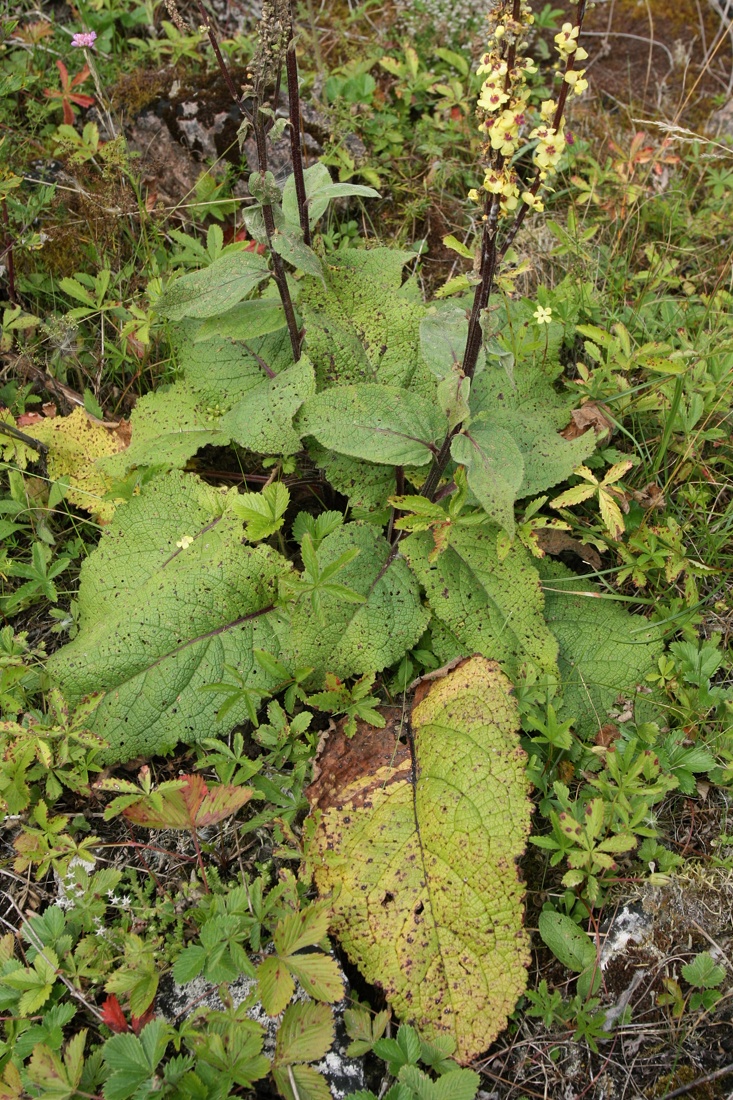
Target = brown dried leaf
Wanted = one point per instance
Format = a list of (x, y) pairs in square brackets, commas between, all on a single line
[(342, 760), (651, 496), (590, 415), (555, 542)]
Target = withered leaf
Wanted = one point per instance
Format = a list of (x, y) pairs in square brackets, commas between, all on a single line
[(419, 850), (590, 415)]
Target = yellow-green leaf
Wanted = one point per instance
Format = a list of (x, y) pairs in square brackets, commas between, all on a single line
[(611, 515), (305, 1034), (275, 985), (318, 974), (430, 904), (301, 1083), (75, 443)]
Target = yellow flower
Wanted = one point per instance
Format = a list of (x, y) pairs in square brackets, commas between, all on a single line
[(185, 542), (566, 40), (543, 315), (533, 201), (575, 78)]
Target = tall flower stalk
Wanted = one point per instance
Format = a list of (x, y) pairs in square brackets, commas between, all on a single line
[(276, 43), (503, 112)]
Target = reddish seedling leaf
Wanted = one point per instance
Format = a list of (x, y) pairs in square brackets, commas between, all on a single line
[(67, 95), (191, 806), (113, 1016)]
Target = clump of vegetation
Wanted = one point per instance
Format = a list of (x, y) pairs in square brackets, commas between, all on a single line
[(322, 566)]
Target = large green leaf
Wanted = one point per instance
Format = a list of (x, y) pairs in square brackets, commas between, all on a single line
[(443, 335), (263, 420), (494, 469), (214, 289), (224, 370), (245, 321), (360, 327), (168, 426), (319, 190), (358, 638), (173, 423), (512, 448), (604, 650), (375, 423), (366, 484), (168, 599), (491, 606), (422, 846)]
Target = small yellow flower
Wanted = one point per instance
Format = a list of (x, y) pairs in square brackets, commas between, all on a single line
[(575, 78), (543, 315), (185, 542), (533, 201), (566, 41)]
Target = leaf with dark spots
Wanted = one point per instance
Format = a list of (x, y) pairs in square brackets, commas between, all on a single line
[(429, 904)]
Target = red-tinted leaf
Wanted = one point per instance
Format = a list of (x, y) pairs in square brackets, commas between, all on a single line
[(80, 77), (190, 807), (64, 74), (221, 802), (139, 1022), (113, 1016)]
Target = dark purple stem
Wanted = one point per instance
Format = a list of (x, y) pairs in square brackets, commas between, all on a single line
[(296, 149)]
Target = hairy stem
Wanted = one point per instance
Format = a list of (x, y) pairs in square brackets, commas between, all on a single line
[(228, 80), (267, 215)]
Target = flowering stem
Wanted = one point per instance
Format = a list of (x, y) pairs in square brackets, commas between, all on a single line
[(559, 111), (278, 267), (260, 131), (291, 62), (228, 80), (491, 253)]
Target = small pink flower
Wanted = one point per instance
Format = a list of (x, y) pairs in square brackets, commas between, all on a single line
[(85, 38)]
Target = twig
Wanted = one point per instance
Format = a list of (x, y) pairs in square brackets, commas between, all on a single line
[(37, 943), (8, 253), (29, 441), (715, 1076)]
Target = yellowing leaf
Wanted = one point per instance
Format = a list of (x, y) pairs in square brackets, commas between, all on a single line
[(276, 987), (430, 905), (318, 974), (74, 444), (301, 1082), (305, 1034), (611, 514)]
